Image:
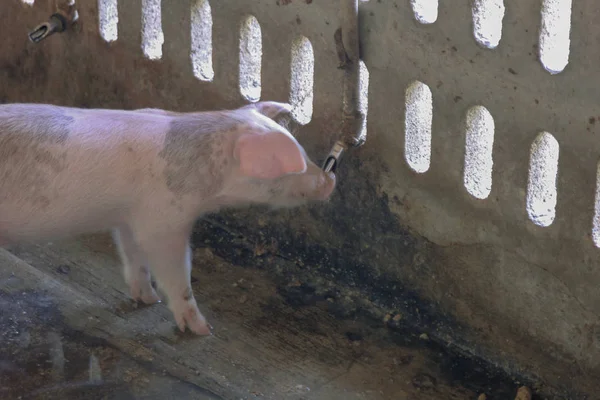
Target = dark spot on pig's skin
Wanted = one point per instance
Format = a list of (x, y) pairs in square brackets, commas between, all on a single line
[(188, 294), (31, 150), (192, 151)]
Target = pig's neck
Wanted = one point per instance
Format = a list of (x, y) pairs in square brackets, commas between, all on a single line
[(237, 192), (198, 162)]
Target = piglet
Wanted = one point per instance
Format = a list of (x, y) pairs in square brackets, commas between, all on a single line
[(146, 175)]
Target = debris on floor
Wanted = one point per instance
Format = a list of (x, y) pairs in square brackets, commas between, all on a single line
[(64, 334)]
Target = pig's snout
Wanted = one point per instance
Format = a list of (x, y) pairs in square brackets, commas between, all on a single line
[(314, 185), (328, 185)]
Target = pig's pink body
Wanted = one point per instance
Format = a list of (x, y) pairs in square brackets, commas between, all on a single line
[(146, 175)]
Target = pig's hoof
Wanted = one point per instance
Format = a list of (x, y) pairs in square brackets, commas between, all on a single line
[(193, 319)]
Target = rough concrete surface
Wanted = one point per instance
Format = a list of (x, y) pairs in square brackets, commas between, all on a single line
[(477, 276), (68, 331)]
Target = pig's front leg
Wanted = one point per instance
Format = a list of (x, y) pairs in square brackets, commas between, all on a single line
[(169, 257), (135, 267)]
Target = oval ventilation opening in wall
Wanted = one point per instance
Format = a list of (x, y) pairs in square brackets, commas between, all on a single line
[(152, 33), (201, 31), (250, 59), (555, 35), (478, 152), (363, 99), (302, 80), (487, 22), (596, 220), (108, 19), (417, 124), (426, 11), (541, 186)]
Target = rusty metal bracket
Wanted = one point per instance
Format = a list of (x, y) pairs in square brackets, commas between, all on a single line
[(64, 17), (346, 40)]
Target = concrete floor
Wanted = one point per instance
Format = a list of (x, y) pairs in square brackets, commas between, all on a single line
[(68, 328)]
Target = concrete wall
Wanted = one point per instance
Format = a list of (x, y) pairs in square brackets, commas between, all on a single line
[(476, 274)]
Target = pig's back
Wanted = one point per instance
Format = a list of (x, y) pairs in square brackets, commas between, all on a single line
[(68, 171)]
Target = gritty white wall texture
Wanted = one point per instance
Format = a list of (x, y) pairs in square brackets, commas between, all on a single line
[(302, 80), (152, 34), (479, 152), (108, 19), (201, 27), (487, 22)]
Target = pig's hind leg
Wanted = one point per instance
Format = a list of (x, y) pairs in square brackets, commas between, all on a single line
[(135, 269), (169, 257)]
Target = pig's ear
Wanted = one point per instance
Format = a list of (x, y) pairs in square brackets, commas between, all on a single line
[(268, 155), (271, 109)]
